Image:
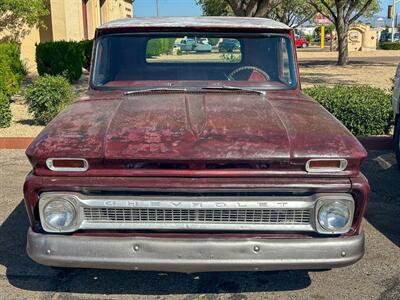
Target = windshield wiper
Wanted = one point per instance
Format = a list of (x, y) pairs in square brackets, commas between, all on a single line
[(233, 88), (161, 89), (222, 87)]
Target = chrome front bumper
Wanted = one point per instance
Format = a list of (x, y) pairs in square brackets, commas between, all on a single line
[(193, 255)]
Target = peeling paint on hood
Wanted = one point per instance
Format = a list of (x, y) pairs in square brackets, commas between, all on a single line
[(282, 126)]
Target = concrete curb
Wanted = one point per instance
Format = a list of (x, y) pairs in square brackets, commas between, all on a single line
[(381, 142), (369, 142)]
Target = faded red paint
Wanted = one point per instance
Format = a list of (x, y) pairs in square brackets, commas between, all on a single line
[(282, 129), (197, 127)]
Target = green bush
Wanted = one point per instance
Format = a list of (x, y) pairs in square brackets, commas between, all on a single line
[(59, 58), (390, 46), (155, 47), (86, 47), (213, 41), (364, 110), (5, 111), (11, 69), (47, 96), (9, 82), (309, 38), (13, 52)]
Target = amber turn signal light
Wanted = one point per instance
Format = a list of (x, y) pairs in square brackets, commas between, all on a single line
[(326, 165), (67, 164)]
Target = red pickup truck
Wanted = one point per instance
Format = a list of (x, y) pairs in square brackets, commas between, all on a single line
[(195, 162), (300, 42)]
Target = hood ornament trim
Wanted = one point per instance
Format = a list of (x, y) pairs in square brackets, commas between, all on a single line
[(196, 115)]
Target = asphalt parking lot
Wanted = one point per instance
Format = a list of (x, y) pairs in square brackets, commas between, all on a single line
[(376, 276)]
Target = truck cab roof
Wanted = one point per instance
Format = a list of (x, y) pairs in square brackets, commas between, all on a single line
[(228, 23)]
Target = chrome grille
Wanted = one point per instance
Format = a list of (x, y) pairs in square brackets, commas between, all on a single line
[(192, 210), (214, 216), (195, 212)]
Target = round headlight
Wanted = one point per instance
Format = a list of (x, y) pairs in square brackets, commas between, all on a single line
[(59, 214), (334, 216)]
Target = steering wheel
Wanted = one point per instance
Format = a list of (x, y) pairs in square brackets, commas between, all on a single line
[(231, 75)]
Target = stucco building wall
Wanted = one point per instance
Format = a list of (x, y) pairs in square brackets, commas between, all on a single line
[(360, 38), (72, 20)]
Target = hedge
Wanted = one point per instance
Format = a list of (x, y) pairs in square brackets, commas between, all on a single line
[(59, 58), (5, 111), (47, 96), (11, 69), (364, 110), (155, 47), (390, 46), (86, 48), (213, 41)]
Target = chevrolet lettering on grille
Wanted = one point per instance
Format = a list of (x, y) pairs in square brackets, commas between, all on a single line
[(186, 204)]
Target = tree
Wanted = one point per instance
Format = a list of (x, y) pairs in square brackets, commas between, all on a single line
[(328, 30), (343, 13), (17, 17), (292, 12), (241, 8), (215, 8)]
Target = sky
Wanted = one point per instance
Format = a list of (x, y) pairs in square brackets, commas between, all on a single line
[(384, 6), (147, 8)]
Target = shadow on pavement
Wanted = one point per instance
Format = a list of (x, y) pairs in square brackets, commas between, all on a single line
[(323, 62), (383, 213), (383, 210), (25, 274)]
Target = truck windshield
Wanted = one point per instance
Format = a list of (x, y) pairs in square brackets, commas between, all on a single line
[(135, 61)]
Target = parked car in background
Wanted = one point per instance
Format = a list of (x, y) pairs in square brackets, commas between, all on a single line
[(396, 109), (387, 37), (194, 164), (300, 42), (229, 45), (317, 40), (195, 44), (384, 37)]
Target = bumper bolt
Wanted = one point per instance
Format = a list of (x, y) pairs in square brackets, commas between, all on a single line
[(343, 253), (135, 248), (256, 248)]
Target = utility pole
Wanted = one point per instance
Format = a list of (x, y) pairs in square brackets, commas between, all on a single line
[(394, 17), (158, 7)]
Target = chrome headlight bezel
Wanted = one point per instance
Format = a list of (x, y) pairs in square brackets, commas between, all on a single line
[(345, 200), (69, 200)]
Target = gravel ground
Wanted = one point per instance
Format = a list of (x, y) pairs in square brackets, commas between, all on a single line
[(377, 74), (22, 124), (374, 68), (376, 276), (315, 52)]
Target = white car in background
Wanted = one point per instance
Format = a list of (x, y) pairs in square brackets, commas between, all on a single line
[(396, 109), (195, 44)]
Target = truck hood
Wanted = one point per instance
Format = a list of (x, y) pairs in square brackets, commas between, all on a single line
[(197, 127), (281, 126)]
